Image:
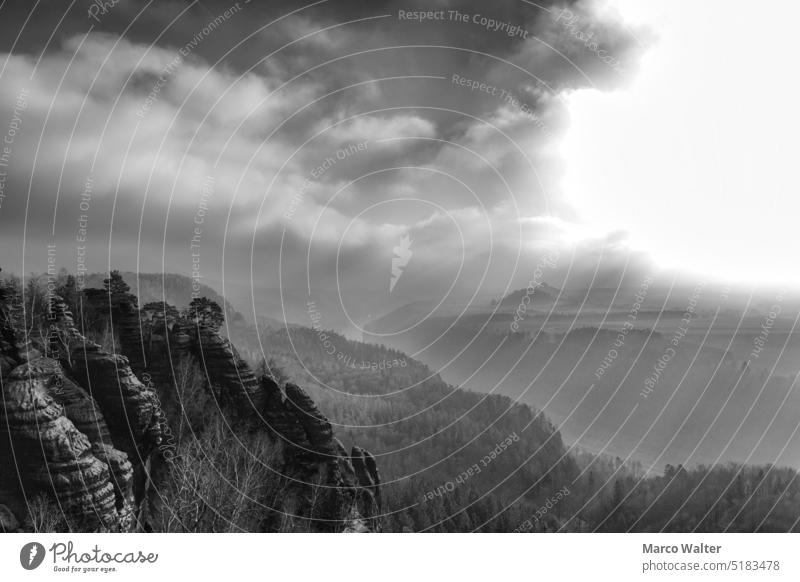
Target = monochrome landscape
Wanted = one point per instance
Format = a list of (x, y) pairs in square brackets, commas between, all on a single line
[(391, 267)]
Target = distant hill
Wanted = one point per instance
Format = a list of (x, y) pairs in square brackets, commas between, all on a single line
[(576, 368), (411, 314), (543, 293)]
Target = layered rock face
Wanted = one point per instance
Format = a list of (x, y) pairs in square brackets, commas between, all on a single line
[(54, 437), (107, 397), (129, 407), (231, 378), (15, 348), (325, 484), (368, 498), (80, 427), (321, 483), (81, 409), (90, 482)]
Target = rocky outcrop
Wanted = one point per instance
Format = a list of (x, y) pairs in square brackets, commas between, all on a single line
[(316, 427), (15, 348), (231, 378), (83, 425), (105, 391), (119, 309), (130, 408), (55, 436), (282, 424), (320, 484), (367, 495), (166, 339), (372, 471), (165, 345), (366, 470), (323, 483), (52, 456), (81, 409), (129, 330), (318, 471), (121, 480)]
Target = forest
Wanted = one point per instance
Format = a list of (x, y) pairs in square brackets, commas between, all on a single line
[(451, 460)]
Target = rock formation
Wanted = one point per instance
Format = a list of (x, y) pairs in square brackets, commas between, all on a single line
[(81, 409), (317, 428), (317, 466), (283, 425), (129, 407), (79, 426), (54, 436), (231, 378), (54, 457), (368, 496), (321, 484)]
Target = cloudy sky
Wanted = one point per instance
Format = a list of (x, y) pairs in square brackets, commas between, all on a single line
[(295, 145)]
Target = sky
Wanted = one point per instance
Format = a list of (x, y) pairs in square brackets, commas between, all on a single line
[(362, 155), (695, 159)]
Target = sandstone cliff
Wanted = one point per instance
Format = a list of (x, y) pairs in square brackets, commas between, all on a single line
[(85, 430)]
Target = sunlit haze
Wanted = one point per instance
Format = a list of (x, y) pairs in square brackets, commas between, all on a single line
[(696, 158)]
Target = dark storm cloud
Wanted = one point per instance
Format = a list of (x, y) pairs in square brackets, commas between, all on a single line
[(145, 21), (149, 101)]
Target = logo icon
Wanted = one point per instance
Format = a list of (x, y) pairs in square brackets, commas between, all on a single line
[(402, 254), (31, 555)]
